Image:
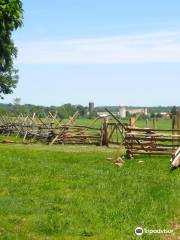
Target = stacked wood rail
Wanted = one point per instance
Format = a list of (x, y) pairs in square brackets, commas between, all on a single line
[(151, 141), (50, 129), (75, 134)]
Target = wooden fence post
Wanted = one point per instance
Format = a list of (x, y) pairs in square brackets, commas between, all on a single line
[(105, 132), (132, 122), (154, 123), (173, 122), (147, 123), (178, 120)]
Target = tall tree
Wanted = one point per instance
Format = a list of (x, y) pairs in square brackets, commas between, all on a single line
[(11, 15)]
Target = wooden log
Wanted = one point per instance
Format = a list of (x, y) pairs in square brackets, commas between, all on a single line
[(148, 130), (151, 153), (147, 149), (155, 138), (154, 143)]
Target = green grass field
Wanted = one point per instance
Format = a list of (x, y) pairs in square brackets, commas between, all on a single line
[(161, 123), (77, 192)]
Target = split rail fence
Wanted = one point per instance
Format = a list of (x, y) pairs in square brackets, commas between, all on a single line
[(150, 141), (53, 130)]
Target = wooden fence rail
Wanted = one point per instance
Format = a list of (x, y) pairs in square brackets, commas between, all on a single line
[(150, 141), (52, 130)]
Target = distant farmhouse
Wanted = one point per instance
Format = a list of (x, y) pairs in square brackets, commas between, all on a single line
[(123, 110)]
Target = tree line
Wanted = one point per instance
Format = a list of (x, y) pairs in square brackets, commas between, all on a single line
[(63, 111), (68, 109)]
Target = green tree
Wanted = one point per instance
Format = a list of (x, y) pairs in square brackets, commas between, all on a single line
[(11, 14), (82, 110), (66, 110), (174, 111)]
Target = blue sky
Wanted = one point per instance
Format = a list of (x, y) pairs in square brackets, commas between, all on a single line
[(110, 52)]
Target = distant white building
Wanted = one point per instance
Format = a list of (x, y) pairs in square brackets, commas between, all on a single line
[(145, 111), (122, 111)]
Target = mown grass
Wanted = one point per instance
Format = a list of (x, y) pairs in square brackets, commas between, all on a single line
[(73, 192)]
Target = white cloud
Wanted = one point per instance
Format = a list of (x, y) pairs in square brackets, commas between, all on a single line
[(159, 47)]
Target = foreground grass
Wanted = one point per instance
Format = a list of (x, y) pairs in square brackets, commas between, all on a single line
[(70, 192)]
